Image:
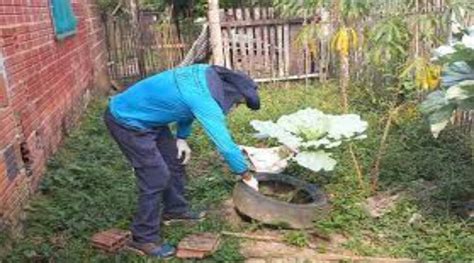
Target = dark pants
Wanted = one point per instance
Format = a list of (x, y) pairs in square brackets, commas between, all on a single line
[(160, 175)]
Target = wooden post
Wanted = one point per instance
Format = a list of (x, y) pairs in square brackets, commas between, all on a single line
[(137, 35), (215, 32)]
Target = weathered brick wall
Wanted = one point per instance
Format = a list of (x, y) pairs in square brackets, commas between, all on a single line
[(44, 85)]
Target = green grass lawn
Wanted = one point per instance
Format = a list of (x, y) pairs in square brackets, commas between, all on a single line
[(90, 187)]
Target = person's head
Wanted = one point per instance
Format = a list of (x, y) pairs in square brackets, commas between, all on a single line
[(238, 88)]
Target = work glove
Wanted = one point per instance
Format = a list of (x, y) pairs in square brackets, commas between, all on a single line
[(250, 180), (183, 150)]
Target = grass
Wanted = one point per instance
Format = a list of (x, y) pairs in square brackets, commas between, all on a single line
[(89, 187)]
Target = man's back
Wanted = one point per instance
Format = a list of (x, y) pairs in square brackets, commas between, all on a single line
[(152, 102)]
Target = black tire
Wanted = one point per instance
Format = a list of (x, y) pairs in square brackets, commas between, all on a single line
[(274, 212)]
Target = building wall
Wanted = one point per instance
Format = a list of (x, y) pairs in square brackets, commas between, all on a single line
[(44, 85)]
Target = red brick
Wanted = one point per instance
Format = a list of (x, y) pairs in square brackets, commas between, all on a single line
[(46, 81)]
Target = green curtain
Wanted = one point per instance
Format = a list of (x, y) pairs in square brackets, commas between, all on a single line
[(65, 23)]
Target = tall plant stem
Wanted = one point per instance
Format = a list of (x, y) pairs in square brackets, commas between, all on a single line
[(357, 167), (375, 172), (344, 81)]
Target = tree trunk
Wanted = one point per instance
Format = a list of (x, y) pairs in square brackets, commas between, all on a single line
[(344, 80), (215, 32)]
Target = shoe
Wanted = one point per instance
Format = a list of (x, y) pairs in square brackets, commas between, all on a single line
[(170, 218), (163, 251)]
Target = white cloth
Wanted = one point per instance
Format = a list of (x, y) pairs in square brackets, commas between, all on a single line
[(268, 160)]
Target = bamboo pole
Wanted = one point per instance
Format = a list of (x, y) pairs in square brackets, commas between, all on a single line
[(215, 32)]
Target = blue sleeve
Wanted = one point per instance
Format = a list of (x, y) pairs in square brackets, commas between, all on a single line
[(184, 128), (211, 117)]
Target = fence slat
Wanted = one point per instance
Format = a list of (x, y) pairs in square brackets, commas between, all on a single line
[(281, 69), (287, 47), (231, 15), (250, 42), (273, 58), (225, 39), (267, 22), (258, 42), (240, 40), (266, 54)]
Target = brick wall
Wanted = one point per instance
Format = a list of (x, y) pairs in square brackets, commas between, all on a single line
[(44, 85)]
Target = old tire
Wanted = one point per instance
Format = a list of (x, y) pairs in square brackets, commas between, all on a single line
[(271, 211)]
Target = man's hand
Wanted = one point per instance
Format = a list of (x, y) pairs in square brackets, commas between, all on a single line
[(183, 150), (250, 180)]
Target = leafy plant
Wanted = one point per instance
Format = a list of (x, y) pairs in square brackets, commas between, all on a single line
[(309, 133), (427, 74), (344, 39), (389, 40), (457, 92)]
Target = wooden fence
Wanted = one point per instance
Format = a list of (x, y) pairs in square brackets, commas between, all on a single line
[(259, 42), (156, 47), (465, 121), (255, 40)]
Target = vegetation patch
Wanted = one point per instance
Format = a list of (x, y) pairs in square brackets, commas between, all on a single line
[(89, 187)]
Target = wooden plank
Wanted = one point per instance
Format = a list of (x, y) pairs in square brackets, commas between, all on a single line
[(258, 42), (115, 55), (281, 69), (225, 40), (247, 23), (240, 41), (233, 42), (273, 57), (297, 77), (226, 44), (266, 55), (250, 43), (286, 48), (153, 54), (121, 50), (130, 63), (296, 67)]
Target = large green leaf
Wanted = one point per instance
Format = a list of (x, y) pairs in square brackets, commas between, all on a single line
[(440, 118), (456, 72), (316, 161), (433, 102), (270, 129), (462, 91)]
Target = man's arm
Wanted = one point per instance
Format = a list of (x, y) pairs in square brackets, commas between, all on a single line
[(211, 117), (184, 128)]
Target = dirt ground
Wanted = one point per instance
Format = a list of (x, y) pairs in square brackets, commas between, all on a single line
[(275, 250)]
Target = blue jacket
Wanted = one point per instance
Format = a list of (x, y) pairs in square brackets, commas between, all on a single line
[(201, 92)]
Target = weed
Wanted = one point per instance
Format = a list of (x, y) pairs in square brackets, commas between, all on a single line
[(297, 238), (89, 187)]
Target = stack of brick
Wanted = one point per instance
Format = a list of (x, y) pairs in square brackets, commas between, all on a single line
[(44, 85), (112, 240), (198, 246)]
